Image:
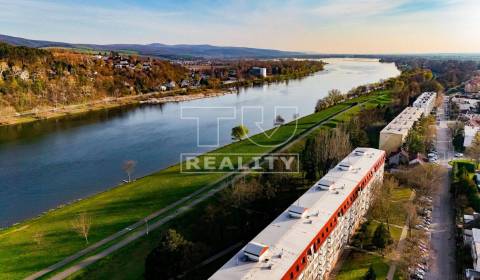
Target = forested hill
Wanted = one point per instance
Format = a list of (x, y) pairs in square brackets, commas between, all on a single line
[(161, 50), (35, 78)]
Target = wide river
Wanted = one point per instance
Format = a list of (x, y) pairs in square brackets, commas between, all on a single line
[(48, 163)]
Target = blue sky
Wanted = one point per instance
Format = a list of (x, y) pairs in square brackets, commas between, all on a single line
[(334, 26)]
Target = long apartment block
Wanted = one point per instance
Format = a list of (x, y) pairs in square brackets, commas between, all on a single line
[(305, 241), (426, 101), (394, 134)]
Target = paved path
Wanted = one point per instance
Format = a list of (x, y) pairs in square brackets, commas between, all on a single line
[(399, 249), (442, 255), (84, 263)]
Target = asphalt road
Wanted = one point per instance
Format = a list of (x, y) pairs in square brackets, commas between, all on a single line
[(442, 256)]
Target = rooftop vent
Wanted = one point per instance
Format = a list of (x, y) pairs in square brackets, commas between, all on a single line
[(345, 166), (363, 152), (255, 251), (324, 184), (297, 212)]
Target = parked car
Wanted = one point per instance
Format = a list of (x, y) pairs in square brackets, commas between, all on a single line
[(457, 155)]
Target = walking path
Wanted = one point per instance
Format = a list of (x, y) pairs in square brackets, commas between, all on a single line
[(141, 232)]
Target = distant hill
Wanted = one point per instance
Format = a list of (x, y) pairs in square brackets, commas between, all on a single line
[(160, 50)]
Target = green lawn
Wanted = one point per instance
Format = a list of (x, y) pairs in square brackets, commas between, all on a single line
[(357, 264), (121, 206)]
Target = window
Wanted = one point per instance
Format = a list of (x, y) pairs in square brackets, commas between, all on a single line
[(303, 260), (297, 268), (291, 275)]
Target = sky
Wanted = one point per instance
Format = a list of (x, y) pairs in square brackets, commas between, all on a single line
[(319, 26)]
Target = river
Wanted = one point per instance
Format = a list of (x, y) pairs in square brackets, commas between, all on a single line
[(48, 163)]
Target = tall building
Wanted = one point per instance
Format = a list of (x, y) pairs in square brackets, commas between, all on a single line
[(426, 101), (394, 134), (305, 241)]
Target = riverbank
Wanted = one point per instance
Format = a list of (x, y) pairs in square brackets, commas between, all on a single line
[(157, 97), (37, 243), (108, 103)]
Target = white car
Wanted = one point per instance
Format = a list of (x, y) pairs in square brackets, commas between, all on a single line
[(458, 155)]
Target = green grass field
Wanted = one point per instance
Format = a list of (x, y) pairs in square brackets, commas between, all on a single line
[(115, 209), (357, 264)]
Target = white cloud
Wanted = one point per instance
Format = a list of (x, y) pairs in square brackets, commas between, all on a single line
[(355, 8)]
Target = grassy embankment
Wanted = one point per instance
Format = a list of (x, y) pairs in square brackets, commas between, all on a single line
[(22, 254), (128, 263)]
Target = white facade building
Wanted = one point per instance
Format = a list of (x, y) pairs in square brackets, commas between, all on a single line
[(394, 134), (305, 241), (259, 71), (426, 101)]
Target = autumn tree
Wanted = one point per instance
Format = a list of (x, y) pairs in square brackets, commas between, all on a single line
[(412, 216), (424, 178), (81, 224), (334, 97), (382, 199), (332, 146), (239, 132)]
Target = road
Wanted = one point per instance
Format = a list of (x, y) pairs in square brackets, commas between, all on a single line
[(442, 256)]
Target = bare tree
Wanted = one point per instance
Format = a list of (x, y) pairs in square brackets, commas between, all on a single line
[(331, 146), (129, 167), (424, 178), (81, 224), (382, 200), (412, 216)]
